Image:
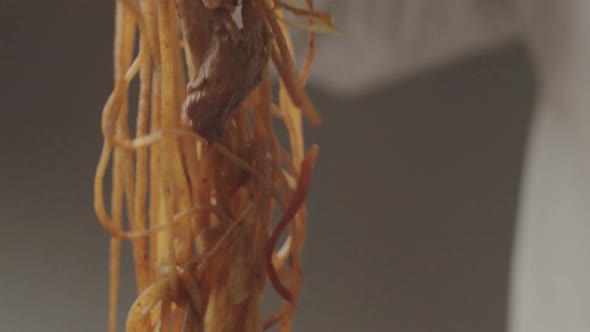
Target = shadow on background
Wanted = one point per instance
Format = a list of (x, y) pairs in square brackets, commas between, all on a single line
[(411, 210)]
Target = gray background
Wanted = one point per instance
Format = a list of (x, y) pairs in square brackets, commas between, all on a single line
[(411, 211)]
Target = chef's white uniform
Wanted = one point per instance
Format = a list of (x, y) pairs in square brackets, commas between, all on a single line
[(386, 40)]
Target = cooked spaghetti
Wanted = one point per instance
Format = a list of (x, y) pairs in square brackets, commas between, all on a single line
[(199, 203)]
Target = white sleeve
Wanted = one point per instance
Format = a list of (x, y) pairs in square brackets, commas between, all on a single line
[(385, 40), (550, 289)]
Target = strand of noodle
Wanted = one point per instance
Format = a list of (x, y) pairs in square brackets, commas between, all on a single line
[(291, 113), (285, 313), (173, 170), (292, 118), (287, 70), (275, 146), (168, 146), (151, 21), (139, 220), (154, 170), (189, 155), (138, 142), (127, 167), (305, 71), (279, 258), (124, 33), (112, 107), (148, 14), (118, 94), (293, 122), (115, 246), (183, 190), (99, 206), (134, 8), (288, 215)]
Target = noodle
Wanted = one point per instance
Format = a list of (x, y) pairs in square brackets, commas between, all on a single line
[(199, 212)]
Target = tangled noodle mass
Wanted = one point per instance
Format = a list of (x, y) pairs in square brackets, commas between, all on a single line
[(200, 172)]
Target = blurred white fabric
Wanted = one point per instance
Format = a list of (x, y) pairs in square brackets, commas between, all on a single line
[(385, 40)]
